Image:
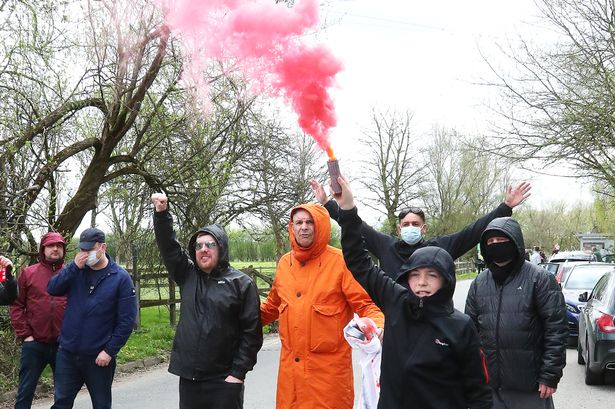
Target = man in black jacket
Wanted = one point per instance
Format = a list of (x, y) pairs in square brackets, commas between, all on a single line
[(392, 251), (8, 288), (520, 314), (219, 332)]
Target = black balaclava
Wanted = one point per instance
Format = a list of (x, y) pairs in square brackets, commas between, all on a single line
[(500, 252)]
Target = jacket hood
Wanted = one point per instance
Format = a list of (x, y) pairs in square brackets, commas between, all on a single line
[(48, 239), (438, 259), (322, 232), (508, 227), (218, 232)]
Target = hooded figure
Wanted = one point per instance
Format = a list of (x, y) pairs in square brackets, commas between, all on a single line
[(36, 313), (314, 296), (520, 314), (219, 332), (37, 316), (431, 358)]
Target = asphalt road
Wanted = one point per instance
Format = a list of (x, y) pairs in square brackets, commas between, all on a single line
[(157, 389)]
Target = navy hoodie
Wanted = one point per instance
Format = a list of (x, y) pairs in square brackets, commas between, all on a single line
[(431, 358)]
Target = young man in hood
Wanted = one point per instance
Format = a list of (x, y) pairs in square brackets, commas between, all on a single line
[(37, 317), (219, 332), (101, 308), (431, 357), (8, 289), (520, 313), (314, 296), (392, 251)]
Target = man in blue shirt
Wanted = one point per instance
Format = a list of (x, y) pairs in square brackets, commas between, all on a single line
[(100, 312)]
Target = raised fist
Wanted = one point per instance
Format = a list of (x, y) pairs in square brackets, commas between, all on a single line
[(160, 201)]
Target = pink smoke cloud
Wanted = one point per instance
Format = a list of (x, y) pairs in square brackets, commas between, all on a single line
[(266, 43)]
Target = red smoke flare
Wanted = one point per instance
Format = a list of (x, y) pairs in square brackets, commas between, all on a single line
[(263, 41)]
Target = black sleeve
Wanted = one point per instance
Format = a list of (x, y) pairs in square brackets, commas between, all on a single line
[(380, 287), (474, 370), (551, 308), (8, 289), (251, 331), (175, 259), (376, 242), (459, 243), (471, 310)]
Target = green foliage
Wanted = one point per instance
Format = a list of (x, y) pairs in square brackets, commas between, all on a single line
[(558, 224), (155, 337), (9, 352), (251, 245)]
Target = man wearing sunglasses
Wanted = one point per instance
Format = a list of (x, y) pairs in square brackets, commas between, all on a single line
[(219, 331), (392, 251)]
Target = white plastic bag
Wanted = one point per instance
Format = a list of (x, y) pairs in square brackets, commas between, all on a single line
[(361, 336)]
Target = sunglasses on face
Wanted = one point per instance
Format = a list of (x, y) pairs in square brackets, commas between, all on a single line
[(208, 244)]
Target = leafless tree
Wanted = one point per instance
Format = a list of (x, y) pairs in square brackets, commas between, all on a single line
[(394, 168), (464, 183), (559, 106)]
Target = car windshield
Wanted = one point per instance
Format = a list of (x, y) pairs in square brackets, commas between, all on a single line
[(585, 277)]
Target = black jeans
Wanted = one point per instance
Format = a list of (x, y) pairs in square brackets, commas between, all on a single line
[(210, 394), (35, 356)]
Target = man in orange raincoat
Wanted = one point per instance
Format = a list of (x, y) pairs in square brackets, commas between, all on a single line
[(314, 296)]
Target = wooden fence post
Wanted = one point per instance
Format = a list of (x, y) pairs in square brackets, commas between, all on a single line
[(137, 283)]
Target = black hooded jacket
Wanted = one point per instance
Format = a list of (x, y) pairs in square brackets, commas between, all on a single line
[(219, 331), (392, 252), (431, 357), (521, 322), (8, 289)]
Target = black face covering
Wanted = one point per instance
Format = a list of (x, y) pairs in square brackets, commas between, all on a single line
[(500, 253)]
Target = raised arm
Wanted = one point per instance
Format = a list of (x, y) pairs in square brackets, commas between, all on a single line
[(459, 243), (175, 259), (376, 242), (382, 289)]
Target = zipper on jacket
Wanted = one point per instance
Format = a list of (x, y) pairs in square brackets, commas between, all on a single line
[(196, 301), (497, 339)]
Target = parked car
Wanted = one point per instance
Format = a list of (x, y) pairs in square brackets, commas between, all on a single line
[(564, 268), (582, 278), (577, 255), (550, 267), (596, 346)]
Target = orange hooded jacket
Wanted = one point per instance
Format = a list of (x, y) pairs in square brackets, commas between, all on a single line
[(314, 296)]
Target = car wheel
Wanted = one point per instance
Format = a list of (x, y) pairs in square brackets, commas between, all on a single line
[(580, 359), (592, 378)]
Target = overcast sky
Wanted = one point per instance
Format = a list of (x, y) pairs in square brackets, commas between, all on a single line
[(426, 57)]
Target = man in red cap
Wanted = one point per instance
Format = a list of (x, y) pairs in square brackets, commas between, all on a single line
[(37, 316)]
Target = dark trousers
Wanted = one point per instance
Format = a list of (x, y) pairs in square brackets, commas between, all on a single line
[(35, 356), (211, 394), (74, 370)]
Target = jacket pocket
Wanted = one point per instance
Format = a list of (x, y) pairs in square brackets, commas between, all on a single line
[(326, 328), (284, 326)]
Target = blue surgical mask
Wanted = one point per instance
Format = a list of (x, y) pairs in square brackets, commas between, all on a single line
[(411, 234)]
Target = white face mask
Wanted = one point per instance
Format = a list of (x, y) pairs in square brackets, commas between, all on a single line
[(93, 258)]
